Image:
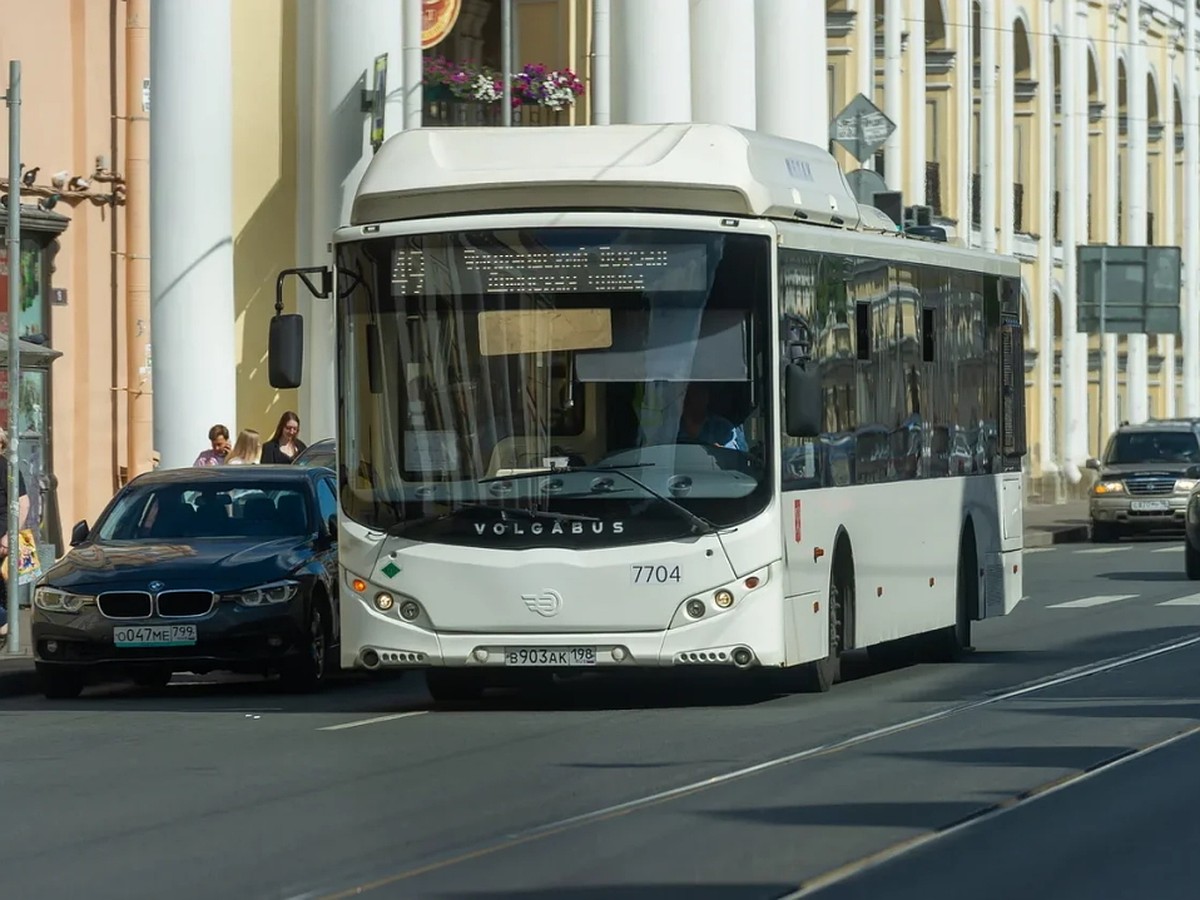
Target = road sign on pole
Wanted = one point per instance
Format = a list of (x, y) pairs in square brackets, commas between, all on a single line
[(861, 128), (1128, 290)]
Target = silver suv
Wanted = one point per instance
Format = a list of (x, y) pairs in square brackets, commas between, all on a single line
[(1146, 476)]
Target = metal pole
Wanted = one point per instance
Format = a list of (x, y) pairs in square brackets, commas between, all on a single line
[(506, 62), (139, 397), (601, 62), (13, 599)]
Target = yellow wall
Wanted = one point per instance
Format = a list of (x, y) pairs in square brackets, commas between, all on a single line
[(264, 193)]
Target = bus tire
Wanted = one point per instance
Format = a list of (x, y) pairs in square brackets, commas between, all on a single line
[(820, 675), (953, 642), (454, 685)]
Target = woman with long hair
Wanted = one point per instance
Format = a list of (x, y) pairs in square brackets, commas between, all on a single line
[(247, 451), (285, 444)]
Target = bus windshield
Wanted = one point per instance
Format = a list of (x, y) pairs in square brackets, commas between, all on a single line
[(554, 386)]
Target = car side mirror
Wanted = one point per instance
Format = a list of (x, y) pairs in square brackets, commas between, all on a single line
[(79, 533), (1093, 463), (803, 401)]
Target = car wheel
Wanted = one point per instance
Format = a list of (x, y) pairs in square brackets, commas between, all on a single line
[(60, 684), (306, 673), (1191, 560)]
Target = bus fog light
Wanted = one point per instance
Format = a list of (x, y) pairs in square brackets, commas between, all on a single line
[(480, 654), (695, 608), (384, 602), (409, 610), (723, 599)]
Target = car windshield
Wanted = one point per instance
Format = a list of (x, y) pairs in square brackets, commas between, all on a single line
[(1133, 447), (185, 511), (503, 370)]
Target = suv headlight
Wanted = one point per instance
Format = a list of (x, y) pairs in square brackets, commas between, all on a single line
[(1109, 487), (1185, 484), (265, 595), (54, 600)]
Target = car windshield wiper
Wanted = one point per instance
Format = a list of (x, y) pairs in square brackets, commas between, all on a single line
[(700, 525), (504, 513)]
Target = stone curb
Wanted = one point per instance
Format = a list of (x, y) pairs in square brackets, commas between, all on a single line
[(18, 677)]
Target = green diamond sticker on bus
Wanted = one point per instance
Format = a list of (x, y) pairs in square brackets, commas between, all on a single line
[(391, 570)]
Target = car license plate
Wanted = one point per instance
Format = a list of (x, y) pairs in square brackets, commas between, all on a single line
[(154, 635), (550, 656), (1149, 505)]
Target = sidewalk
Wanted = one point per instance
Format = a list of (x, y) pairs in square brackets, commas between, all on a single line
[(1061, 523)]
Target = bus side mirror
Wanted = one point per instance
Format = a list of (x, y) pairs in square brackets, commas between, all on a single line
[(803, 412), (285, 351)]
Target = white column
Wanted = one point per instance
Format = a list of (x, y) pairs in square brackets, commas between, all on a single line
[(964, 85), (1169, 212), (1045, 294), (1112, 190), (864, 56), (893, 98), (601, 62), (793, 97), (1081, 171), (410, 69), (987, 124), (347, 36), (656, 84), (1138, 403), (915, 121), (1070, 418), (1004, 191), (723, 30), (1191, 220), (191, 226)]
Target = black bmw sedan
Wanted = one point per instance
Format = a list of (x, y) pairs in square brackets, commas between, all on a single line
[(225, 568)]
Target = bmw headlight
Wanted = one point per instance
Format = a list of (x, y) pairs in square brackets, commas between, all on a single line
[(54, 600), (265, 595)]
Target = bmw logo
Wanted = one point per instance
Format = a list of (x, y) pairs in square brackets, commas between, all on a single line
[(157, 585)]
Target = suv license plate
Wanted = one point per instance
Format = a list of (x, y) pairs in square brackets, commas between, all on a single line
[(1149, 505), (550, 656)]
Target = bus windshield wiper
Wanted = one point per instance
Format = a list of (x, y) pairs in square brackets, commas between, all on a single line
[(700, 525), (504, 513)]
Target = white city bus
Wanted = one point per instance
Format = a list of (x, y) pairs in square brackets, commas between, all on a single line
[(659, 396)]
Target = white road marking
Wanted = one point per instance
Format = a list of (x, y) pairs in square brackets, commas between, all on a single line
[(1104, 549), (1189, 600), (1098, 600), (529, 835), (1178, 548), (374, 721)]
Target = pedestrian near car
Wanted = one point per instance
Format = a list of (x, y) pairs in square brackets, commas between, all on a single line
[(285, 444), (22, 516), (247, 451), (218, 437)]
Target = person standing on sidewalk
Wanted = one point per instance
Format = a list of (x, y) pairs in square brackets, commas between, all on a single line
[(22, 516)]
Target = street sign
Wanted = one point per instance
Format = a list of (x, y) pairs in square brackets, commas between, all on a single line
[(861, 128), (1128, 290)]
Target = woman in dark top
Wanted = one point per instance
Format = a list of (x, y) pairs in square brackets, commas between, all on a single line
[(285, 445)]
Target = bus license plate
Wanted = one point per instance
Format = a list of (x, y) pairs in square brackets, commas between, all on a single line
[(154, 635), (550, 656)]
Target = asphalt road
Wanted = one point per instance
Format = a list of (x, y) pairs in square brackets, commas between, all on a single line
[(934, 781)]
